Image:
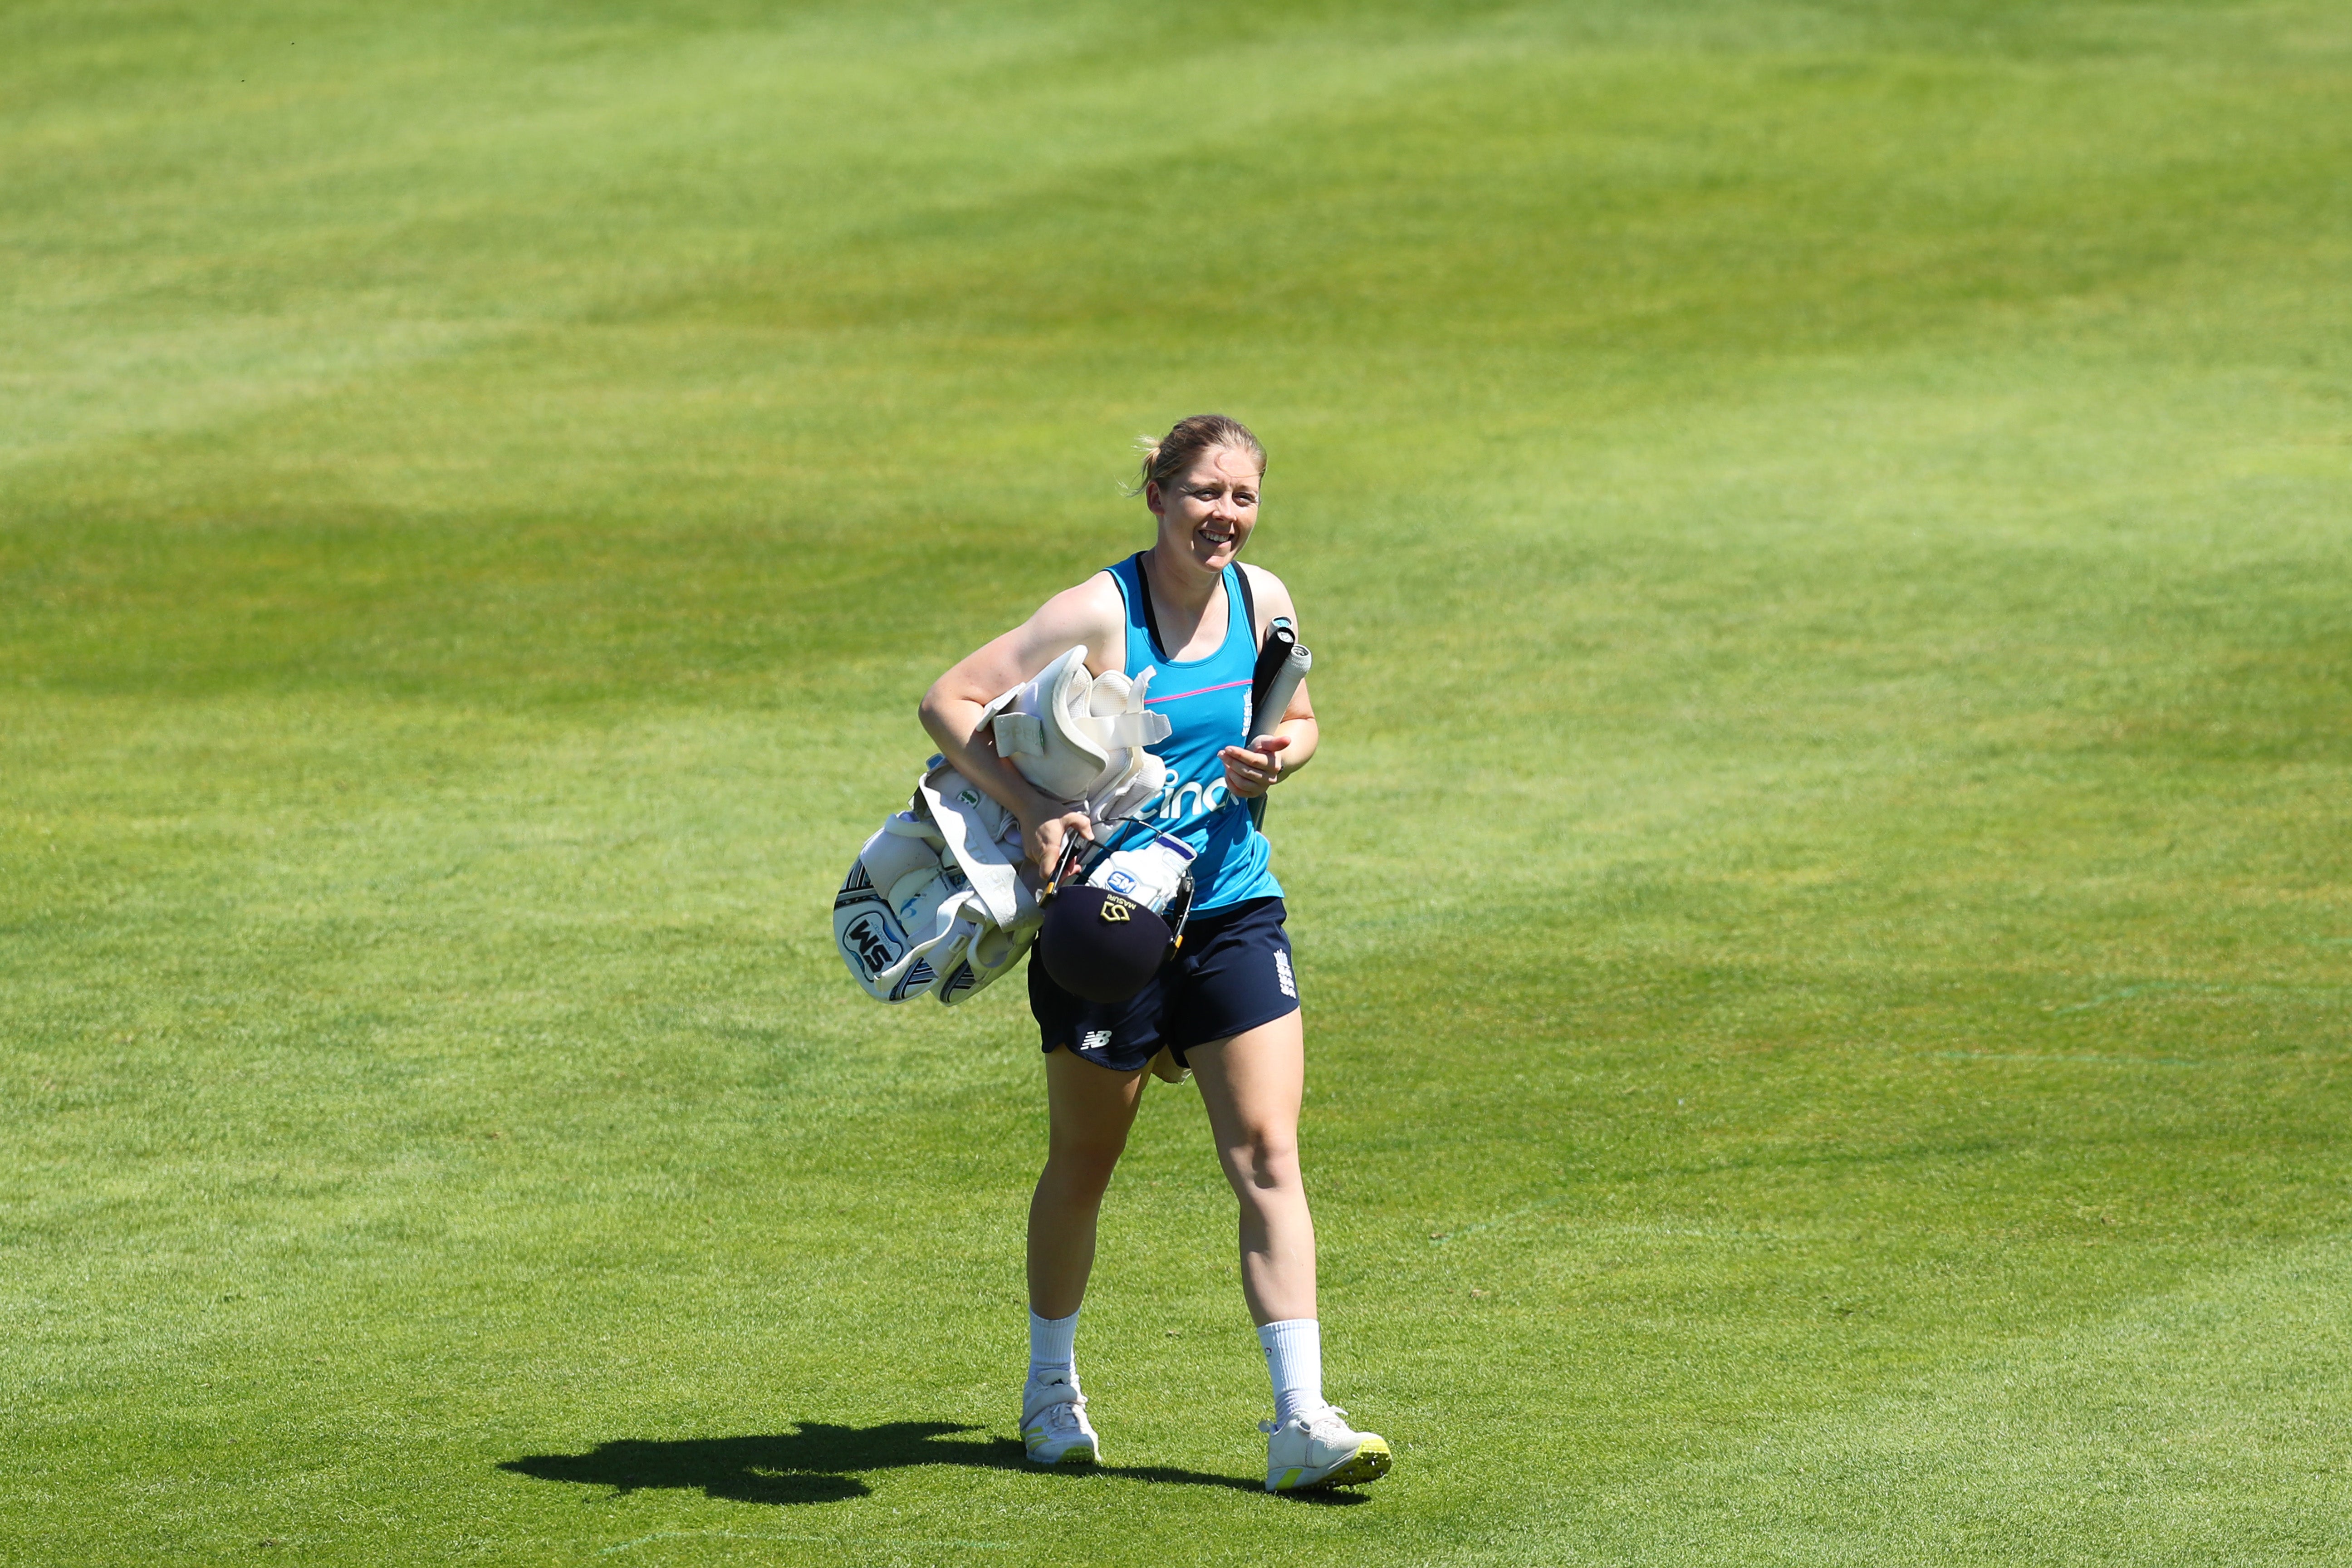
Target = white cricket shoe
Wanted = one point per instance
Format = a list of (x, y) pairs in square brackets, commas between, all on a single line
[(1320, 1450), (1054, 1423)]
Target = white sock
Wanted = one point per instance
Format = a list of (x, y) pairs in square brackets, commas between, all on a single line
[(1294, 1359), (1051, 1345)]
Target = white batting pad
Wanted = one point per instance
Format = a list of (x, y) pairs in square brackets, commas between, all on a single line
[(981, 838), (1132, 793), (1070, 732)]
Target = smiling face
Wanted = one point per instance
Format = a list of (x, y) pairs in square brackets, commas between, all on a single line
[(1206, 512)]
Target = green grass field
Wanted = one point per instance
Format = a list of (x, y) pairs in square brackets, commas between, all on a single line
[(1824, 909)]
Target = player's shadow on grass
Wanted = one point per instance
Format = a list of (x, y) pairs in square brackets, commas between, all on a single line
[(821, 1463)]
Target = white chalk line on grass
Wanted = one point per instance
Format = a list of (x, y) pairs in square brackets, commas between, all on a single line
[(848, 1543)]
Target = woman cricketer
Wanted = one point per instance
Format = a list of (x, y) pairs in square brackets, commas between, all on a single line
[(1227, 1005)]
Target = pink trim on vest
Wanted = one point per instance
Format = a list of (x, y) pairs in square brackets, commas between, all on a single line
[(1179, 695)]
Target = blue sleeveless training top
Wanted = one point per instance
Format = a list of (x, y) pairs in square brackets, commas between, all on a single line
[(1207, 699)]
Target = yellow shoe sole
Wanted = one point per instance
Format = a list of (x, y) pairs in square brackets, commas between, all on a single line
[(1366, 1465), (1069, 1457)]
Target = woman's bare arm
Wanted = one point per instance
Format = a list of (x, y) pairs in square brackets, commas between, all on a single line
[(1090, 614)]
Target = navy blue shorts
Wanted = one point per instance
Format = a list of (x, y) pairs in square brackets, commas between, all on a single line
[(1232, 974)]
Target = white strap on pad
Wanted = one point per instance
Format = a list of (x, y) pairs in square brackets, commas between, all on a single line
[(1137, 728), (1019, 736), (974, 827)]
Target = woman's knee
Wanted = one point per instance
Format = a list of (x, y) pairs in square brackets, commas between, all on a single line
[(1083, 1164), (1265, 1163)]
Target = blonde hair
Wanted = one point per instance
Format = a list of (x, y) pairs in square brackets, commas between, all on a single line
[(1165, 458)]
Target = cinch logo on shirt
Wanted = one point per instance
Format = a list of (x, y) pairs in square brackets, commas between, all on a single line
[(1207, 797)]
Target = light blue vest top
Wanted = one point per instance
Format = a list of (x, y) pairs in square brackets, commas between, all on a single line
[(1207, 700)]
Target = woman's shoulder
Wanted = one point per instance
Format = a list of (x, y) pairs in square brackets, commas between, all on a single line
[(1097, 601), (1269, 597), (1093, 614)]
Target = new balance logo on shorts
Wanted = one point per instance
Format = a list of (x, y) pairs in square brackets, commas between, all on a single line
[(1282, 977), (1096, 1040)]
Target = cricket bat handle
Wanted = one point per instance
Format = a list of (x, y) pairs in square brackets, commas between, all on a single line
[(1267, 721)]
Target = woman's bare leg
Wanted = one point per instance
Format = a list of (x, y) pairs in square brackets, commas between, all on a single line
[(1090, 1110), (1252, 1084)]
